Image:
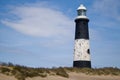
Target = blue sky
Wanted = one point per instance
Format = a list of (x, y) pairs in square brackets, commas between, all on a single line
[(40, 33)]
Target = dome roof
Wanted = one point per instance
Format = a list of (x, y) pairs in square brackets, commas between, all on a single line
[(81, 7)]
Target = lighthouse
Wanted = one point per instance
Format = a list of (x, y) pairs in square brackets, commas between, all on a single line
[(81, 47)]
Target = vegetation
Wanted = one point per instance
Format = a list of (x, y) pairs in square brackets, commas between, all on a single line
[(96, 71), (60, 71), (22, 72)]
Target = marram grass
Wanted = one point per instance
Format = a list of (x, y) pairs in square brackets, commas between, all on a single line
[(22, 72)]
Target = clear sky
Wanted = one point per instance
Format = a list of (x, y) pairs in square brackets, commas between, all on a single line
[(40, 33)]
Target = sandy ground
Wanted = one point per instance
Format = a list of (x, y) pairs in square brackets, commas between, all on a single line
[(5, 77), (77, 76), (80, 76), (72, 76)]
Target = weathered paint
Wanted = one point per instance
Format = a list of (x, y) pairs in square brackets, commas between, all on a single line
[(81, 50)]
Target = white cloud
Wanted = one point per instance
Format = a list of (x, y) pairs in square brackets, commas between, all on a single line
[(39, 21), (48, 23)]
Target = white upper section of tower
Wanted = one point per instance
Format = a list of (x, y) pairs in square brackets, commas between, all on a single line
[(81, 12)]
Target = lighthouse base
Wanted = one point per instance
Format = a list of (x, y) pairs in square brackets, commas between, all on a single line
[(82, 64)]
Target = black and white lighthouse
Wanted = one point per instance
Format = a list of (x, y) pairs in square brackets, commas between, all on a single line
[(82, 48)]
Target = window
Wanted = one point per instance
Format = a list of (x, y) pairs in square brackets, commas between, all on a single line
[(88, 51)]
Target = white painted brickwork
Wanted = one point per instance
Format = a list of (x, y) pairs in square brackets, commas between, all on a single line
[(81, 50)]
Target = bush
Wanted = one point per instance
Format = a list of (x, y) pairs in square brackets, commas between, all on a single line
[(43, 75), (61, 72), (19, 76), (4, 70)]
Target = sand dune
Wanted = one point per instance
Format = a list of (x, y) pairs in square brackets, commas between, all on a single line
[(77, 76), (72, 76), (5, 77), (80, 76)]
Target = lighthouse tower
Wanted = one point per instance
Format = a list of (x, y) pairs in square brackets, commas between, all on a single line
[(81, 49)]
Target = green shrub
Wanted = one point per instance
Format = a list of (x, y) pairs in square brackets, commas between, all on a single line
[(19, 76), (61, 72), (4, 69), (43, 75)]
